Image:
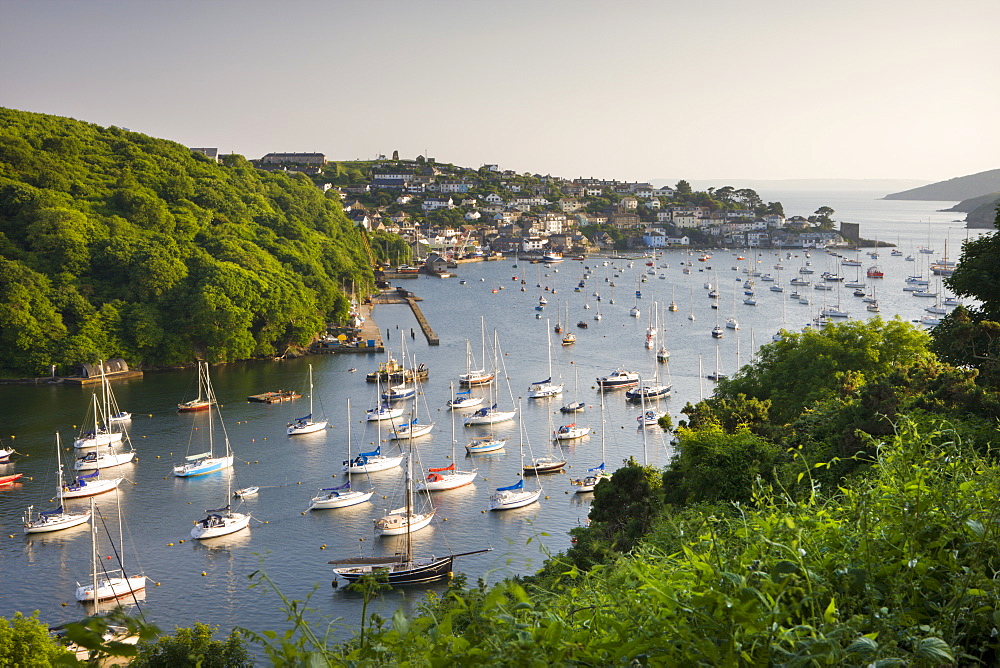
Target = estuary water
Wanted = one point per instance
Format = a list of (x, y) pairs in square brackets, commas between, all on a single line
[(208, 581)]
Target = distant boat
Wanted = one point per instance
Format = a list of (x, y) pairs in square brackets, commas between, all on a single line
[(204, 400)]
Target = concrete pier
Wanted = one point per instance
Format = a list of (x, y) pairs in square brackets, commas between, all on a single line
[(432, 338)]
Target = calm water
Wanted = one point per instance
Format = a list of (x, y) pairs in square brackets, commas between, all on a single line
[(208, 581)]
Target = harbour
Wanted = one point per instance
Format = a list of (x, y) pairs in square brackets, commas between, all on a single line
[(198, 581)]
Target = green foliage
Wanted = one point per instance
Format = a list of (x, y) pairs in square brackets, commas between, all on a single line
[(113, 243), (801, 369), (715, 466), (194, 647), (971, 338), (25, 642)]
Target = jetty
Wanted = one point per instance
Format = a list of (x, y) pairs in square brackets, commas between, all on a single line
[(274, 397), (404, 296)]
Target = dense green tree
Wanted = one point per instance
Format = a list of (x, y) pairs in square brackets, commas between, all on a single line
[(803, 368), (25, 643), (715, 465), (683, 187), (194, 647)]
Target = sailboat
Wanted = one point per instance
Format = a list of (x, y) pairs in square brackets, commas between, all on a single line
[(492, 414), (473, 376), (716, 375), (206, 462), (546, 388), (463, 399), (515, 496), (413, 428), (341, 496), (104, 431), (596, 474), (569, 338), (691, 315), (384, 410), (221, 521), (447, 477), (732, 322), (575, 406), (649, 391), (652, 330), (109, 586), (673, 303), (58, 518), (405, 520), (403, 568), (204, 399), (306, 424)]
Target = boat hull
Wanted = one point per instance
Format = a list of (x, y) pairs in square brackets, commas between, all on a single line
[(91, 488), (571, 434), (229, 524), (373, 464), (203, 467), (413, 432), (397, 525), (486, 444), (448, 481), (103, 461), (111, 588), (57, 522), (465, 403), (415, 572), (510, 500), (193, 406), (98, 440), (307, 428), (341, 501), (490, 418)]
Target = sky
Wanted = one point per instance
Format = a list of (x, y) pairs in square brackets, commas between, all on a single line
[(706, 89)]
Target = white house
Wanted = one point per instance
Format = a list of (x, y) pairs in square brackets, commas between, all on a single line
[(453, 187), (664, 191), (595, 192), (435, 203), (404, 199), (629, 203), (493, 198), (678, 241), (774, 220), (473, 215), (683, 220), (652, 203), (529, 244), (664, 216)]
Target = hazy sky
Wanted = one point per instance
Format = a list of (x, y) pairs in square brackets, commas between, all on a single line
[(704, 89)]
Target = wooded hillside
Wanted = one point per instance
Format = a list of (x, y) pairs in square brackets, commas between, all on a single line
[(117, 244)]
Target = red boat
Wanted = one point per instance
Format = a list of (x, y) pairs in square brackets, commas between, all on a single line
[(875, 272), (8, 479), (194, 405)]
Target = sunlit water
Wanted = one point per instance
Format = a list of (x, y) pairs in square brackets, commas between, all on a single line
[(208, 581)]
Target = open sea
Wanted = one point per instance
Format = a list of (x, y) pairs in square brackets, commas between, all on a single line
[(207, 581)]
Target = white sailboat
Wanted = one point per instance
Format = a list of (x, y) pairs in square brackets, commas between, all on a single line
[(447, 477), (306, 424), (370, 462), (413, 428), (115, 583), (58, 518), (406, 519), (575, 406), (515, 496), (493, 414), (597, 473), (384, 410), (108, 428), (473, 376), (652, 329), (206, 462), (221, 521), (341, 496), (546, 388), (90, 484)]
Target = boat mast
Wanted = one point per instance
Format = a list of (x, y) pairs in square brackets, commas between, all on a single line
[(310, 391), (59, 488), (409, 498), (93, 547), (642, 425)]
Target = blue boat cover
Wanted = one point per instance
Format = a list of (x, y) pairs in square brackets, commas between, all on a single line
[(219, 510), (518, 485), (374, 453), (89, 475), (346, 485), (544, 382), (57, 511), (304, 418), (466, 392), (596, 468)]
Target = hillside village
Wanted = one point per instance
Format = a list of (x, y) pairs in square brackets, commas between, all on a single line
[(451, 210)]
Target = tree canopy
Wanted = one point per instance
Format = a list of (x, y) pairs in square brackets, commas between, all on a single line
[(117, 244)]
